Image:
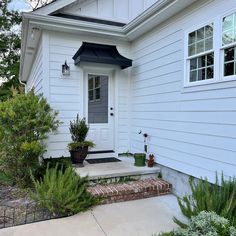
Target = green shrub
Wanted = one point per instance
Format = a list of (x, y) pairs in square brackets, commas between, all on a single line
[(210, 197), (79, 130), (25, 121), (63, 193), (61, 162), (207, 224)]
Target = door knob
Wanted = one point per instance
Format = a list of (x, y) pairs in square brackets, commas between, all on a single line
[(111, 114)]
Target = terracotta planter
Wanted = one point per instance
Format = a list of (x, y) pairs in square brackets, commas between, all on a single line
[(78, 156)]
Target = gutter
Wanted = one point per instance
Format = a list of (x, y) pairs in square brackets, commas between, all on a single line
[(78, 26)]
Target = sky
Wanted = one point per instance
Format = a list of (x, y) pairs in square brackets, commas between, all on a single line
[(19, 5)]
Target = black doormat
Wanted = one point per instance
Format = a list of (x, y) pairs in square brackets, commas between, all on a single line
[(102, 160)]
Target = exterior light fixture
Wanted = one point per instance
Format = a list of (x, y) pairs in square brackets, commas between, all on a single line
[(34, 31), (65, 69)]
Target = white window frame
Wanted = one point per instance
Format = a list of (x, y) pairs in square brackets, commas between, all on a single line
[(222, 48), (187, 58)]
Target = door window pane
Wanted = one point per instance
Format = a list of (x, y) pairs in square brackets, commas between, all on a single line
[(98, 107)]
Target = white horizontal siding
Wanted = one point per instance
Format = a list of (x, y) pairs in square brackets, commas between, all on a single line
[(67, 93), (36, 73), (191, 132)]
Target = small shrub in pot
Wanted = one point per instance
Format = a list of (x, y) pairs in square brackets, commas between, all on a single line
[(79, 145)]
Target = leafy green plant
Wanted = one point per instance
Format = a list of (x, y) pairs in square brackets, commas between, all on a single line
[(61, 162), (207, 224), (220, 198), (62, 193), (25, 121), (76, 145), (79, 130)]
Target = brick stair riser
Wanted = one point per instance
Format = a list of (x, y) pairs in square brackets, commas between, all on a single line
[(130, 191)]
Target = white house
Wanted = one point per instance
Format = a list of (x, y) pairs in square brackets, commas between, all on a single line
[(163, 67)]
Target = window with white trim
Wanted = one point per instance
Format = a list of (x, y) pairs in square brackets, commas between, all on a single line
[(200, 54), (229, 44)]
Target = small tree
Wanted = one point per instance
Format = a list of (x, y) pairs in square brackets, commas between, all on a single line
[(25, 121)]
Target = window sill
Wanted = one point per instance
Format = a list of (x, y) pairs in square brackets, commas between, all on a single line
[(210, 85)]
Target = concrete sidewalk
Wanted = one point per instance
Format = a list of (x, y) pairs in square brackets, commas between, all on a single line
[(134, 218)]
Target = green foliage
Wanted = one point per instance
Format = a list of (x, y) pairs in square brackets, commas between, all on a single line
[(165, 234), (77, 145), (207, 224), (10, 50), (79, 130), (210, 197), (63, 193), (62, 163), (25, 121)]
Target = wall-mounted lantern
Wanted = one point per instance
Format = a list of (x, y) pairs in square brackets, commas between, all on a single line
[(65, 69)]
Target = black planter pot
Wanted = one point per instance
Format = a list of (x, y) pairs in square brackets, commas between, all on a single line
[(78, 155)]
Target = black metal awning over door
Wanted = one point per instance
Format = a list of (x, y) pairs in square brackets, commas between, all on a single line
[(100, 53)]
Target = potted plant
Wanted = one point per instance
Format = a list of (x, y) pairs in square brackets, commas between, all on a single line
[(79, 146), (139, 159), (150, 161)]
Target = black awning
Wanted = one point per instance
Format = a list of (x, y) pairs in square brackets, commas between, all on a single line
[(100, 53)]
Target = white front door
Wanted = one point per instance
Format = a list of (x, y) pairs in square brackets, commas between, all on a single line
[(100, 111)]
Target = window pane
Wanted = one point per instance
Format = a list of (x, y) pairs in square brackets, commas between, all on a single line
[(193, 76), (201, 61), (97, 81), (200, 40), (209, 31), (201, 74), (210, 73), (200, 47), (228, 37), (192, 38), (191, 50), (208, 44), (228, 22), (229, 69), (90, 83), (90, 95), (193, 64), (229, 54), (200, 34), (97, 93), (229, 29), (202, 67), (210, 59)]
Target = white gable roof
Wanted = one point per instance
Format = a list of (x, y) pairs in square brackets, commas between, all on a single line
[(114, 10), (53, 6)]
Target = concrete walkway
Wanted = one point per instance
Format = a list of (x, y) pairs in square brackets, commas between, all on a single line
[(134, 218)]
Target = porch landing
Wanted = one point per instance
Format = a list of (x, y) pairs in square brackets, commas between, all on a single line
[(125, 168)]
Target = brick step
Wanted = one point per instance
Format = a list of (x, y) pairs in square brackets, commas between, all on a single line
[(132, 190)]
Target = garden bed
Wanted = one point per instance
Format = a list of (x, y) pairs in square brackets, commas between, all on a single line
[(16, 208)]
